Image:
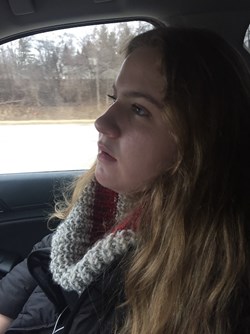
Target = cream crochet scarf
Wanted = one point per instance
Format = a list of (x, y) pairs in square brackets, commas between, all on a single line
[(91, 238)]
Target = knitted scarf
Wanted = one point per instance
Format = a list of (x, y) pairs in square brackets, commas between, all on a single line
[(91, 238)]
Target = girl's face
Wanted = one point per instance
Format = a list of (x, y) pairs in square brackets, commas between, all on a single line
[(135, 145)]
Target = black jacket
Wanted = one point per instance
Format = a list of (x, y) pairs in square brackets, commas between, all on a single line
[(23, 300), (100, 305), (96, 310), (29, 296)]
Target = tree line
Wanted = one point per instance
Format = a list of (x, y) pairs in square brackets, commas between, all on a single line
[(60, 69)]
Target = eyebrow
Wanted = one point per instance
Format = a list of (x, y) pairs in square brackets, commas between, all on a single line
[(146, 96)]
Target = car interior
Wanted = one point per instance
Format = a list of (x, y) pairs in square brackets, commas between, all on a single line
[(27, 197)]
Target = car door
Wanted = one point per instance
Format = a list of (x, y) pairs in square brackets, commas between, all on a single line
[(26, 201)]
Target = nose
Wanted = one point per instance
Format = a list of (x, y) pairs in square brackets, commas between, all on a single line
[(107, 123)]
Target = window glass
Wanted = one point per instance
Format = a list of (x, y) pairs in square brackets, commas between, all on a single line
[(52, 87), (247, 39)]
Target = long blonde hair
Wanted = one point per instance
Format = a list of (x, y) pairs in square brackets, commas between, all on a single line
[(190, 271)]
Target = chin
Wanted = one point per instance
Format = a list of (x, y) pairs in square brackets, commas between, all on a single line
[(104, 182)]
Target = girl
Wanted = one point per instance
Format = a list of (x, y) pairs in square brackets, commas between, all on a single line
[(156, 236)]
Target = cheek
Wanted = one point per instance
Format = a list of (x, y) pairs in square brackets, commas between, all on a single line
[(167, 152), (148, 156)]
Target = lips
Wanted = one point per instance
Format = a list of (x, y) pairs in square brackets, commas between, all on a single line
[(105, 153)]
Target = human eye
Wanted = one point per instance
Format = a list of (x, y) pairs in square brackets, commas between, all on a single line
[(140, 111)]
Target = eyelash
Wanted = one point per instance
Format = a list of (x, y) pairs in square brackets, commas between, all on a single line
[(140, 111), (111, 97)]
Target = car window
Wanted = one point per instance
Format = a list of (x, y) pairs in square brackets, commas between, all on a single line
[(246, 43), (52, 87)]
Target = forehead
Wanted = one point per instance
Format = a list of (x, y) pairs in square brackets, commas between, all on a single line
[(146, 55), (142, 68)]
